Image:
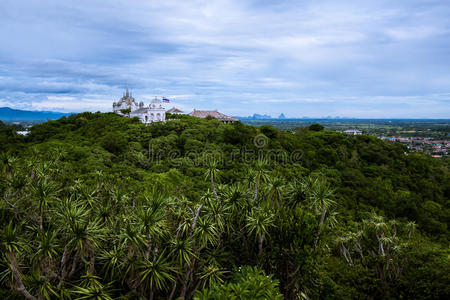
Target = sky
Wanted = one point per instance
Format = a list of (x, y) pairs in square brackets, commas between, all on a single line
[(314, 58)]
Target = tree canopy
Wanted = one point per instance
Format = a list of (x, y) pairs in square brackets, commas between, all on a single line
[(96, 205)]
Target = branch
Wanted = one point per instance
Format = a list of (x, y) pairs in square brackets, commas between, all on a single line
[(18, 278), (197, 213)]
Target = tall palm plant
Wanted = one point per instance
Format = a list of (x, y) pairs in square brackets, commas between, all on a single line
[(258, 223), (212, 173), (44, 191), (260, 175), (82, 236), (152, 218), (47, 252), (295, 193), (156, 273), (11, 246), (320, 197), (92, 288), (7, 160), (276, 187), (112, 260)]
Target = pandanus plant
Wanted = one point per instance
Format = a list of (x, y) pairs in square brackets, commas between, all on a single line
[(11, 246), (212, 173), (319, 195), (259, 222)]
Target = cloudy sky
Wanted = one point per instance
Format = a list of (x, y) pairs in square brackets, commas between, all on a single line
[(379, 58)]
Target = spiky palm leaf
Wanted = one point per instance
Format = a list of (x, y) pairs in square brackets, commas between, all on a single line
[(156, 273)]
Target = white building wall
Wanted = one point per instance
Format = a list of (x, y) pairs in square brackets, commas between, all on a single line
[(155, 112)]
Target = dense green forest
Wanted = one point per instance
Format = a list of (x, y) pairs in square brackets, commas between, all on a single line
[(98, 206)]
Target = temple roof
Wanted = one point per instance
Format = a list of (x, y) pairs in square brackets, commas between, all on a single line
[(174, 110), (127, 97), (140, 110), (212, 113)]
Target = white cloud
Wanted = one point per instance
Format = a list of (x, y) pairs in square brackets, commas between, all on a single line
[(308, 57)]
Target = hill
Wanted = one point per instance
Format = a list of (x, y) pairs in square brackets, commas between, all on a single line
[(101, 204), (15, 115)]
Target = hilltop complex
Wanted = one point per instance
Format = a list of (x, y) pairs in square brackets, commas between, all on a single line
[(155, 112)]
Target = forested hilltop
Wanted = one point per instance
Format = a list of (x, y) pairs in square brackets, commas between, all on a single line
[(98, 206)]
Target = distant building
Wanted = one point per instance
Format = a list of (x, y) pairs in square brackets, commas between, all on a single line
[(213, 114), (23, 132), (353, 132), (176, 111), (155, 112)]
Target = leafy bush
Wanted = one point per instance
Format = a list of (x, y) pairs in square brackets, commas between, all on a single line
[(246, 283)]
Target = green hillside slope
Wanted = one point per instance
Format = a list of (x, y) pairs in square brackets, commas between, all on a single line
[(102, 205)]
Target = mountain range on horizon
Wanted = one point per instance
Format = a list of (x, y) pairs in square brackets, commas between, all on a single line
[(8, 114), (263, 117), (15, 115)]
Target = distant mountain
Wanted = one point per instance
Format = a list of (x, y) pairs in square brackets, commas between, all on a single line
[(256, 117), (281, 116), (9, 115)]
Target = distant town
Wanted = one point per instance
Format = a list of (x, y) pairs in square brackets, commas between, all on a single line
[(428, 145)]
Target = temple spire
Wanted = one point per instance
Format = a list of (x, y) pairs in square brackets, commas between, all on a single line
[(127, 93)]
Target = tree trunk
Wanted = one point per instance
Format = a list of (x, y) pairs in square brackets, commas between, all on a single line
[(64, 263), (191, 295), (255, 196), (382, 248), (197, 213), (349, 257), (174, 288), (41, 222), (98, 188), (92, 261), (149, 248), (214, 187), (74, 266), (358, 247), (322, 219), (260, 244), (18, 278), (186, 278), (244, 241), (185, 283), (344, 252)]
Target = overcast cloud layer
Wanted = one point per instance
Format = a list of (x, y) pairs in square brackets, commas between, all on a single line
[(379, 59)]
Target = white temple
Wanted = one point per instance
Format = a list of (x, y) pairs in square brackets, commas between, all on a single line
[(155, 112)]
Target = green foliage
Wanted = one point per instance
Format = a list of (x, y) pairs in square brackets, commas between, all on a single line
[(99, 205), (315, 127), (125, 111), (114, 143), (246, 283)]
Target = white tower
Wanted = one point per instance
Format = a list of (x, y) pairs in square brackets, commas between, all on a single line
[(156, 112)]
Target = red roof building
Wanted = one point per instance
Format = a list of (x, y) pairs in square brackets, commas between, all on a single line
[(175, 110), (213, 114)]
